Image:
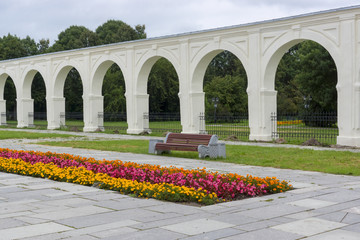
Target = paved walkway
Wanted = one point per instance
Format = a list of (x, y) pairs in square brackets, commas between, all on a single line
[(323, 206)]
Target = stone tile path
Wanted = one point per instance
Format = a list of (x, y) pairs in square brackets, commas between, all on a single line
[(323, 207)]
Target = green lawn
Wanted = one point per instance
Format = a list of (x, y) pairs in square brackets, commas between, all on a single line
[(346, 163), (30, 135)]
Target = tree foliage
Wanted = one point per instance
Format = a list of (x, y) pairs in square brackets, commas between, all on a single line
[(306, 71), (226, 79), (117, 31), (163, 88)]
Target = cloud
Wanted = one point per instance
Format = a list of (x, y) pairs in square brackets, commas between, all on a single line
[(47, 18)]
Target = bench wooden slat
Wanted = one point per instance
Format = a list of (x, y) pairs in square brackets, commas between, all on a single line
[(179, 147), (184, 142)]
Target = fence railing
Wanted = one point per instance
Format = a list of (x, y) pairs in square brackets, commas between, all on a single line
[(164, 122), (291, 127), (304, 126), (226, 126)]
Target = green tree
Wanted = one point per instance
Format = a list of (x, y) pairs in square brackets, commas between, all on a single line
[(226, 79), (163, 88), (231, 91), (75, 37), (289, 97), (38, 93), (113, 90), (317, 77), (114, 31), (73, 91), (10, 97)]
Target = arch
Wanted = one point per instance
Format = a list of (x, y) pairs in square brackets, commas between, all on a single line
[(61, 72), (98, 77), (147, 62), (275, 53), (28, 80), (3, 77), (58, 90), (205, 56)]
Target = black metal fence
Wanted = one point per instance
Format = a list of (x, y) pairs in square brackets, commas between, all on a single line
[(304, 126), (291, 127), (164, 122), (226, 126)]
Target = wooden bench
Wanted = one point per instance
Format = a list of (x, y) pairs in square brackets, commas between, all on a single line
[(206, 145)]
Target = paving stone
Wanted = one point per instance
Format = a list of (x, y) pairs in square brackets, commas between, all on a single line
[(52, 236), (15, 214), (341, 196), (341, 217), (31, 220), (197, 226), (312, 203), (355, 210), (265, 234), (171, 220), (352, 228), (103, 196), (114, 232), (127, 203), (158, 234), (175, 208), (70, 202), (261, 224), (30, 194), (10, 223), (32, 230), (338, 207), (5, 209), (302, 215), (234, 218), (83, 237), (104, 218), (336, 235), (310, 189), (99, 228), (217, 234), (272, 211), (309, 226), (72, 212)]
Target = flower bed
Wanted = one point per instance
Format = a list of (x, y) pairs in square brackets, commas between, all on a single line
[(143, 180)]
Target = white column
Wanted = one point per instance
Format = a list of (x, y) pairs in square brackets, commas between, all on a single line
[(25, 112), (93, 113), (2, 112), (196, 103), (55, 108), (348, 100), (135, 115)]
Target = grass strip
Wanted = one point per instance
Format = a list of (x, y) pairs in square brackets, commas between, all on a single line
[(30, 135)]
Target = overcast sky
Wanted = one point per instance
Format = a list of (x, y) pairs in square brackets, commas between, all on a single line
[(47, 18)]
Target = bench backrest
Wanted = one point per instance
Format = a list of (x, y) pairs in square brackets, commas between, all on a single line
[(192, 139)]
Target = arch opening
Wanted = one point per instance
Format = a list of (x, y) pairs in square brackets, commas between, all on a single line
[(72, 91), (226, 101), (114, 102), (8, 101), (38, 94), (159, 83), (305, 80)]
